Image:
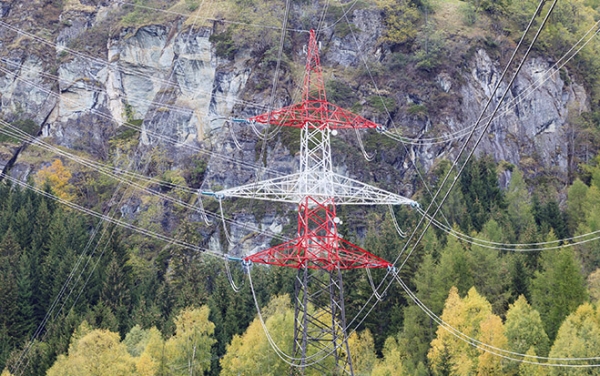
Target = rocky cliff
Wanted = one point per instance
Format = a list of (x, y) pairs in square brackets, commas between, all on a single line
[(160, 97)]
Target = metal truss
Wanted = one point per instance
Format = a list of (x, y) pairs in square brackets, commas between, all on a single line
[(318, 244), (320, 338), (318, 252), (318, 185)]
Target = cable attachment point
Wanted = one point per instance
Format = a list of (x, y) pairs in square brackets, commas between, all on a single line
[(246, 263), (392, 269)]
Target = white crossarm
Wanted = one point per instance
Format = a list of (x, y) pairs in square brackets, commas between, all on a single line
[(295, 187)]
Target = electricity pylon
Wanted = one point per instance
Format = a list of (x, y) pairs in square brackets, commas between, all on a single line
[(318, 252)]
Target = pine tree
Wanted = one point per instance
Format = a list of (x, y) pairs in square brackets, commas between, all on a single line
[(519, 203), (10, 252)]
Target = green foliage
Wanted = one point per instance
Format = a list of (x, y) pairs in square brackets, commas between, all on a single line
[(578, 337), (251, 353), (558, 289), (468, 13), (483, 197), (473, 317), (340, 93), (27, 125), (418, 110), (142, 14), (524, 331), (192, 5), (290, 138), (401, 19), (224, 45), (382, 104), (189, 350), (391, 364), (94, 352), (362, 348)]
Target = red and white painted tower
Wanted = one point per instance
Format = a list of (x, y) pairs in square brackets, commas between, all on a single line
[(320, 329)]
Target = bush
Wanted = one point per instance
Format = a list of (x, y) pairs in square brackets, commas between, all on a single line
[(28, 126), (224, 45), (382, 104)]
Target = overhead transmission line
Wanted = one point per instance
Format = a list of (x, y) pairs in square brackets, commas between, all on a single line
[(458, 158), (506, 354), (119, 176), (109, 65), (559, 64), (148, 131), (221, 20), (102, 220), (517, 247)]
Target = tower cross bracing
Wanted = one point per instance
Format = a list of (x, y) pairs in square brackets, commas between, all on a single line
[(318, 246)]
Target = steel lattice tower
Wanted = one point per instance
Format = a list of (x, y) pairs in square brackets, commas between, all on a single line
[(318, 252)]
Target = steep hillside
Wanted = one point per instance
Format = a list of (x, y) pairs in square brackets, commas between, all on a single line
[(152, 87), (128, 111)]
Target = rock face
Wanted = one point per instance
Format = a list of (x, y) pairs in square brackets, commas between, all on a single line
[(531, 122), (168, 80)]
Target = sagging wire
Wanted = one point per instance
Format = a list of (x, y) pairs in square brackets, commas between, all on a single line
[(489, 348), (396, 225), (227, 235), (233, 136), (378, 296), (288, 359), (202, 210), (358, 320), (368, 157), (234, 286)]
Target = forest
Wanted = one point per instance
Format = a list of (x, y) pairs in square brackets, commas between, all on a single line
[(113, 311), (505, 280)]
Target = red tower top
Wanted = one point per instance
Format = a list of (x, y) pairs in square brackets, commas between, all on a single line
[(314, 108)]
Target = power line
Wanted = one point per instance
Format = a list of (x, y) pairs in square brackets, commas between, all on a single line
[(462, 150)]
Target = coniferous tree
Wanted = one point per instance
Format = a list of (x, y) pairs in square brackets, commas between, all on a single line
[(519, 204), (520, 277), (10, 252), (558, 289), (24, 323), (490, 271)]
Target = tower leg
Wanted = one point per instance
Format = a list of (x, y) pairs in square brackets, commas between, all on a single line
[(320, 338)]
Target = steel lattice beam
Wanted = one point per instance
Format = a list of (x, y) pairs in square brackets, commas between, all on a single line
[(318, 244), (320, 186), (318, 251)]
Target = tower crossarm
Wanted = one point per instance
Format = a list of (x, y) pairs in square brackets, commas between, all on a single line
[(344, 190), (317, 113)]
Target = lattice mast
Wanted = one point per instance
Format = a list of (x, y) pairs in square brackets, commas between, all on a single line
[(318, 251)]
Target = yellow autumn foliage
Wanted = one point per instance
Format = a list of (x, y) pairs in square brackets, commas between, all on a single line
[(56, 176)]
